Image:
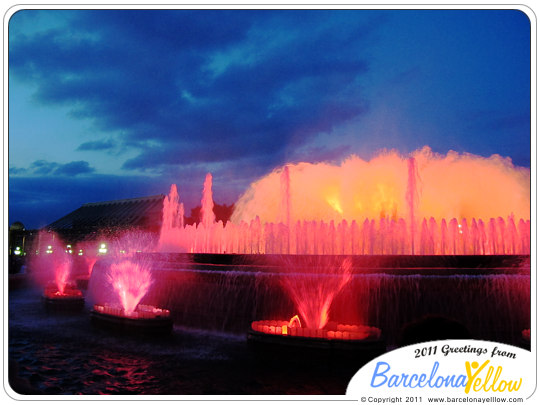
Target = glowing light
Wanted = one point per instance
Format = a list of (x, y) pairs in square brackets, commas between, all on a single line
[(368, 208), (314, 295), (368, 187), (337, 332), (295, 322), (335, 204), (142, 312), (61, 274), (102, 249), (131, 282), (68, 292)]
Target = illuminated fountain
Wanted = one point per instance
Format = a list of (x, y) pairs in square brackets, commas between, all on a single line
[(60, 294), (293, 328), (313, 293), (416, 228), (63, 296), (423, 205), (50, 267), (119, 285)]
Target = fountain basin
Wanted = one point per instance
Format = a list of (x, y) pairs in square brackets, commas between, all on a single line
[(332, 332), (353, 342), (71, 299), (146, 319)]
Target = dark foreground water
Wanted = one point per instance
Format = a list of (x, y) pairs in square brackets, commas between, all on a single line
[(52, 353)]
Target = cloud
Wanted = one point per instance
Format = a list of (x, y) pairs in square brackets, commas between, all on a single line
[(40, 200), (198, 89), (15, 171), (74, 168), (42, 168), (96, 145)]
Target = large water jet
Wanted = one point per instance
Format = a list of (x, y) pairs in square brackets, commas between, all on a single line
[(313, 292), (444, 218), (423, 204)]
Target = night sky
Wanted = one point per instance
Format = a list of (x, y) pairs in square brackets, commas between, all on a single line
[(111, 104)]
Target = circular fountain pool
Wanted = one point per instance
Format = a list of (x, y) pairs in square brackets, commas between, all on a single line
[(145, 319), (335, 339), (70, 299)]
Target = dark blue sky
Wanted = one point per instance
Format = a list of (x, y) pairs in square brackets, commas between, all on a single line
[(108, 104)]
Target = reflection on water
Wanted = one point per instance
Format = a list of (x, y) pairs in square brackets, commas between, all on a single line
[(64, 354)]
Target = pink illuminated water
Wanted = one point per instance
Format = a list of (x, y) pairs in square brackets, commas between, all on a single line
[(173, 219), (50, 263), (131, 281), (411, 197), (314, 293), (207, 203), (454, 204), (61, 274)]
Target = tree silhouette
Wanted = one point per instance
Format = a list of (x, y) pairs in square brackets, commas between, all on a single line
[(223, 212)]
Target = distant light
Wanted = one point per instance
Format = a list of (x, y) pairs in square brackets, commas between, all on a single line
[(102, 249), (17, 252), (70, 251), (49, 247), (68, 246)]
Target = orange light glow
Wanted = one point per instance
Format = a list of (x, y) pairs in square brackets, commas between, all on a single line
[(335, 204), (313, 296), (391, 204), (295, 322), (339, 331), (358, 189)]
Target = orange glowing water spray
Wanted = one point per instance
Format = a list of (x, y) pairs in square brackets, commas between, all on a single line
[(293, 323)]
